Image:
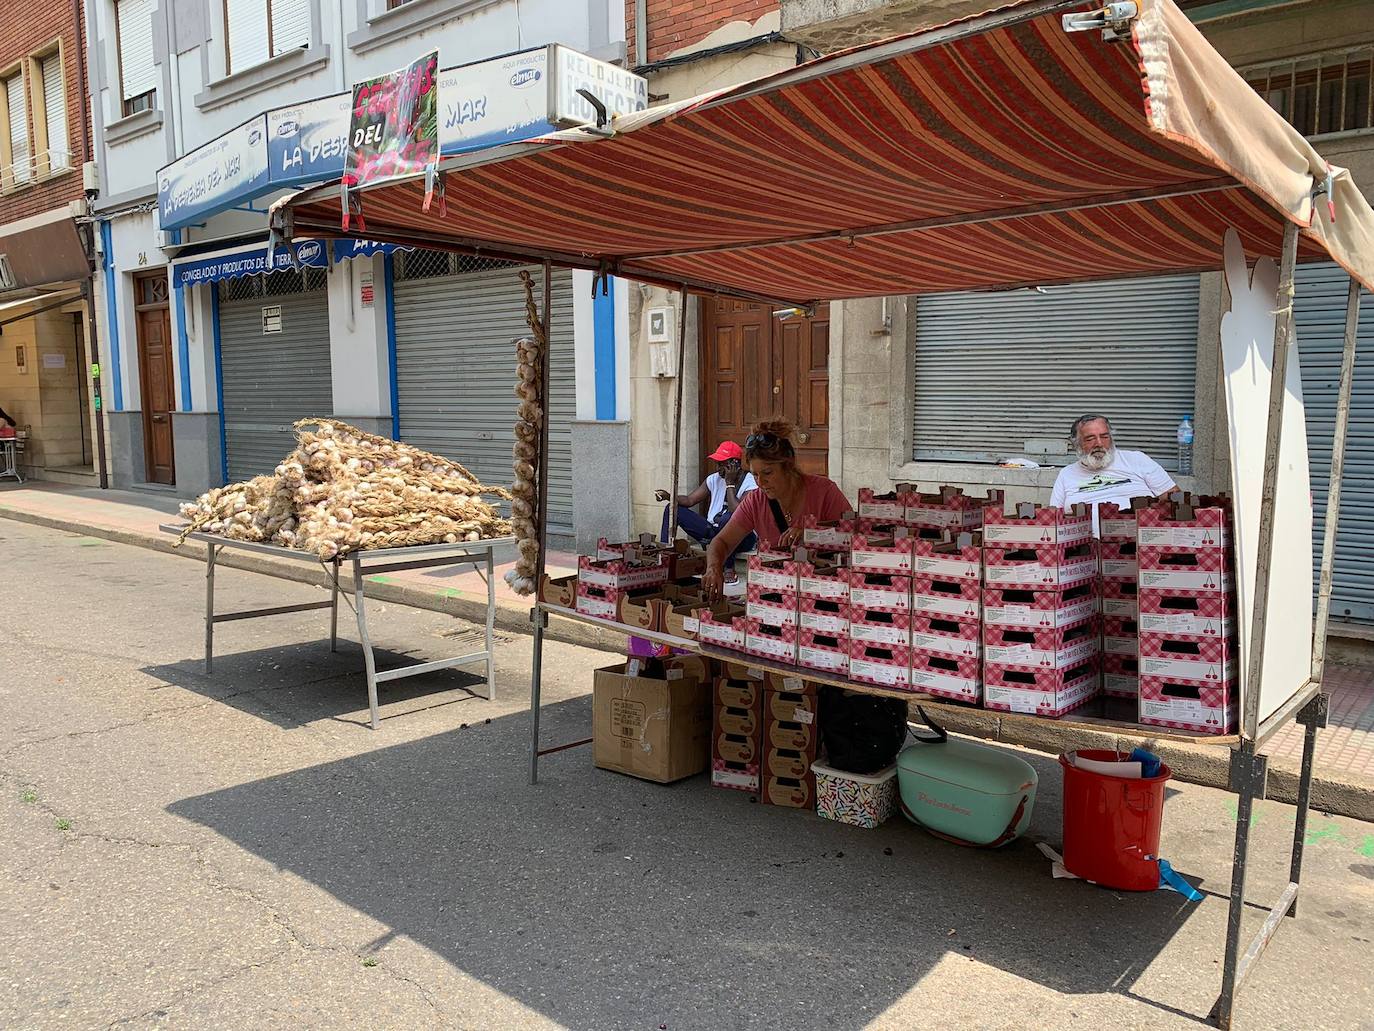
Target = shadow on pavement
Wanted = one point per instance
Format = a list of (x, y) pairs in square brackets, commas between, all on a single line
[(606, 902)]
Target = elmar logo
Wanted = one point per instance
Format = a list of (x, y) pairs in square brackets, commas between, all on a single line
[(288, 128), (525, 77), (308, 251), (254, 137)]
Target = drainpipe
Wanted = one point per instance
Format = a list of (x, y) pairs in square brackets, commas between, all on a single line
[(641, 31), (87, 294)]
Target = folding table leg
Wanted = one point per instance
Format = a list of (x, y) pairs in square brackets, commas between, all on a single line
[(491, 627), (367, 642), (209, 606), (1312, 717), (334, 608)]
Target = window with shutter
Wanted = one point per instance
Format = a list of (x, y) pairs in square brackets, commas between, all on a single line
[(290, 25), (21, 166), (247, 33), (995, 372), (137, 69), (55, 113)]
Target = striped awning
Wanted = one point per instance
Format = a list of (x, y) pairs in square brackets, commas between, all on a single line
[(992, 152)]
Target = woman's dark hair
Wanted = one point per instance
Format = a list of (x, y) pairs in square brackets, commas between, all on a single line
[(771, 441)]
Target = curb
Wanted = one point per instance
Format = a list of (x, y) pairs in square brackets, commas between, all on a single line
[(1205, 765)]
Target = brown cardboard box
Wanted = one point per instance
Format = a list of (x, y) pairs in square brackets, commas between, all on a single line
[(658, 730), (785, 734), (746, 722), (788, 762), (792, 792), (697, 666), (559, 591), (735, 748), (787, 706), (738, 694)]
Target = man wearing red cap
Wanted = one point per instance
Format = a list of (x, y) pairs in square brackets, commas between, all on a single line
[(724, 489)]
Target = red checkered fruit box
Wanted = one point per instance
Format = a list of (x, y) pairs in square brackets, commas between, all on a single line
[(1188, 705), (886, 665), (882, 553), (1117, 524), (735, 776), (819, 650), (1189, 569), (724, 630), (879, 626), (946, 676), (822, 576), (1120, 635), (888, 508), (939, 596), (1036, 524), (1120, 676), (950, 509), (940, 634), (774, 570), (1041, 647), (1118, 560), (771, 642), (1040, 565), (1191, 613), (1179, 526), (1207, 660), (957, 559), (621, 574), (1019, 606), (598, 601), (888, 591), (828, 615), (771, 606), (1120, 597), (1040, 692), (834, 534)]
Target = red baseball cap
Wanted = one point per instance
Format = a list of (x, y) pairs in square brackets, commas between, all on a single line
[(728, 449)]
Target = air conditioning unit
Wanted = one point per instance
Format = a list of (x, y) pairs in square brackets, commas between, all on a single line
[(167, 238), (90, 177)]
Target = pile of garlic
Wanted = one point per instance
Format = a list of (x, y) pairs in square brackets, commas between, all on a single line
[(343, 489)]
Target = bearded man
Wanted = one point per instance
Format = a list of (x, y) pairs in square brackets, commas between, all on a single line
[(1105, 472)]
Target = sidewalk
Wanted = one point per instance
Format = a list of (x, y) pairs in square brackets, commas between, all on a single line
[(1345, 750)]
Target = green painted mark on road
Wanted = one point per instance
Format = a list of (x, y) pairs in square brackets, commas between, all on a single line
[(450, 592), (1316, 834), (1367, 846), (1233, 811), (380, 580)]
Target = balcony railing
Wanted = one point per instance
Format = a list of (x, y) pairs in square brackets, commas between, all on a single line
[(1321, 95), (35, 169)]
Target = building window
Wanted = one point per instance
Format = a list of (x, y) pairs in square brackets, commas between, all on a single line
[(18, 160), (258, 30), (391, 5), (137, 70), (1320, 94), (58, 157)]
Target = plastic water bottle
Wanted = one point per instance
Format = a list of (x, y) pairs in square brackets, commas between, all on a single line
[(1185, 446)]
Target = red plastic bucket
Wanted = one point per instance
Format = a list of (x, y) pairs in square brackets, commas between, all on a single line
[(1112, 824)]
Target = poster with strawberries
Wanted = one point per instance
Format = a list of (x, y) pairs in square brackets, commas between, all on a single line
[(394, 127)]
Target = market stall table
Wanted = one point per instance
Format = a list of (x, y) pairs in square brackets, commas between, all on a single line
[(9, 459), (362, 564)]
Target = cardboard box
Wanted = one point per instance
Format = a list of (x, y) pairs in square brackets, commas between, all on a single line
[(823, 576), (791, 707), (724, 629), (1119, 635), (890, 507), (1182, 526), (598, 601), (1040, 566), (1120, 598), (731, 693), (1018, 606), (1191, 613), (791, 734), (887, 591), (792, 683), (790, 792), (684, 620), (1120, 676), (658, 730), (1036, 524), (834, 534), (1188, 705), (1041, 647), (938, 596), (1040, 692), (643, 608), (771, 642), (772, 570), (788, 762), (1204, 660), (1118, 560), (823, 652), (559, 591), (828, 615), (735, 776), (1189, 569), (951, 509), (958, 559), (879, 626), (946, 636), (946, 676), (771, 606), (735, 748), (744, 722), (1116, 524), (882, 552), (881, 664), (621, 574)]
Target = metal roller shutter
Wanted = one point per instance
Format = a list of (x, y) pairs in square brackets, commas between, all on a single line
[(994, 370), (272, 379), (1319, 312), (455, 373)]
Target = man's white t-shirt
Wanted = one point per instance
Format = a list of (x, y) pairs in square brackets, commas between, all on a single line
[(1132, 474), (715, 483)]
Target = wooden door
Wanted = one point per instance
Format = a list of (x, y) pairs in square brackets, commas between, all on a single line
[(156, 380), (754, 367)]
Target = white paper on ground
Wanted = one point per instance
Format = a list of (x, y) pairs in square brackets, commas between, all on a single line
[(1058, 861)]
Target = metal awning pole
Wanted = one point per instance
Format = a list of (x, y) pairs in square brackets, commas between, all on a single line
[(677, 412), (540, 618), (1333, 490)]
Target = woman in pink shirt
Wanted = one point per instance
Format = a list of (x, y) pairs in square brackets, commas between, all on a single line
[(775, 511)]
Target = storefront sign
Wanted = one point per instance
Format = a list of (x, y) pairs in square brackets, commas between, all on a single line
[(271, 319), (346, 249), (493, 102), (365, 291), (622, 91), (209, 179), (307, 143), (249, 263), (393, 129)]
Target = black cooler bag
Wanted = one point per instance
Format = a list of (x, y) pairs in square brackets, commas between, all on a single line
[(862, 732)]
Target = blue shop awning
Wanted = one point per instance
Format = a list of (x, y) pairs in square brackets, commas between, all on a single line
[(253, 261)]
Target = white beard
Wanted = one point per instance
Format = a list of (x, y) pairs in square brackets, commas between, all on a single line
[(1096, 463)]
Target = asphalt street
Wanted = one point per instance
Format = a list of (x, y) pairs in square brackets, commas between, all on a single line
[(185, 850)]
